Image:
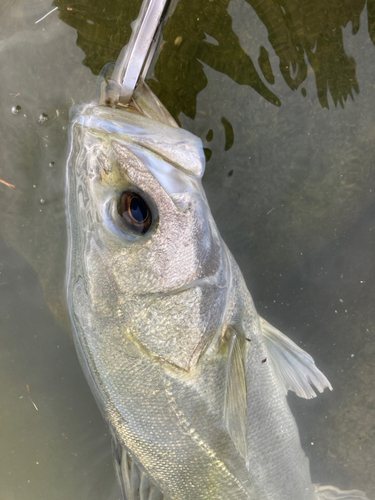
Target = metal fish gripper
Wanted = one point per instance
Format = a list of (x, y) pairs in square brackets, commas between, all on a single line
[(135, 58)]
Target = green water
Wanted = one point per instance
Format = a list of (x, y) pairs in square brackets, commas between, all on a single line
[(282, 95)]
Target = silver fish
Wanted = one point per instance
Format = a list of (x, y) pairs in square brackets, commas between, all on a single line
[(191, 381)]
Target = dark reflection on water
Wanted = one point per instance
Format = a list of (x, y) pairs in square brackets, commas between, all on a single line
[(302, 35), (103, 27), (290, 182)]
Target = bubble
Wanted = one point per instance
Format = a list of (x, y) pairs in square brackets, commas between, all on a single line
[(16, 109), (43, 117), (51, 164), (34, 186), (42, 201)]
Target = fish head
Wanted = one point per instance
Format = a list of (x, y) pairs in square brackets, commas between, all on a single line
[(148, 249)]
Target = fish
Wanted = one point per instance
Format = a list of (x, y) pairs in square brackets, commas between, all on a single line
[(191, 381)]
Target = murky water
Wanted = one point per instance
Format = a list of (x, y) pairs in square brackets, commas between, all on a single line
[(282, 95)]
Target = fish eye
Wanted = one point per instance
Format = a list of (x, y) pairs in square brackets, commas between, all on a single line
[(135, 211)]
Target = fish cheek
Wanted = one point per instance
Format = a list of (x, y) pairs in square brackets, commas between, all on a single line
[(171, 326)]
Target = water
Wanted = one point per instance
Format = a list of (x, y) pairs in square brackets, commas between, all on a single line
[(290, 181), (16, 109), (43, 117)]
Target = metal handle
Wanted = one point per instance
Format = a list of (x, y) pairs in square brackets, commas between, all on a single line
[(133, 57)]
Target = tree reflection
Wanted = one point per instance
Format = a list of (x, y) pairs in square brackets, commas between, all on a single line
[(313, 29), (204, 34), (103, 27), (200, 33)]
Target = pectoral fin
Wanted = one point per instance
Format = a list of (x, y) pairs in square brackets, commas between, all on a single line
[(294, 368), (235, 409)]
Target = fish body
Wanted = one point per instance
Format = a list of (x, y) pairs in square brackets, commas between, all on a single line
[(191, 381)]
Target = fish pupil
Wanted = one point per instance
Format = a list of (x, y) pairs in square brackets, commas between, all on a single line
[(138, 209), (135, 212)]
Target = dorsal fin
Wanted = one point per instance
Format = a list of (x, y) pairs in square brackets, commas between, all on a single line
[(235, 408), (295, 369)]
